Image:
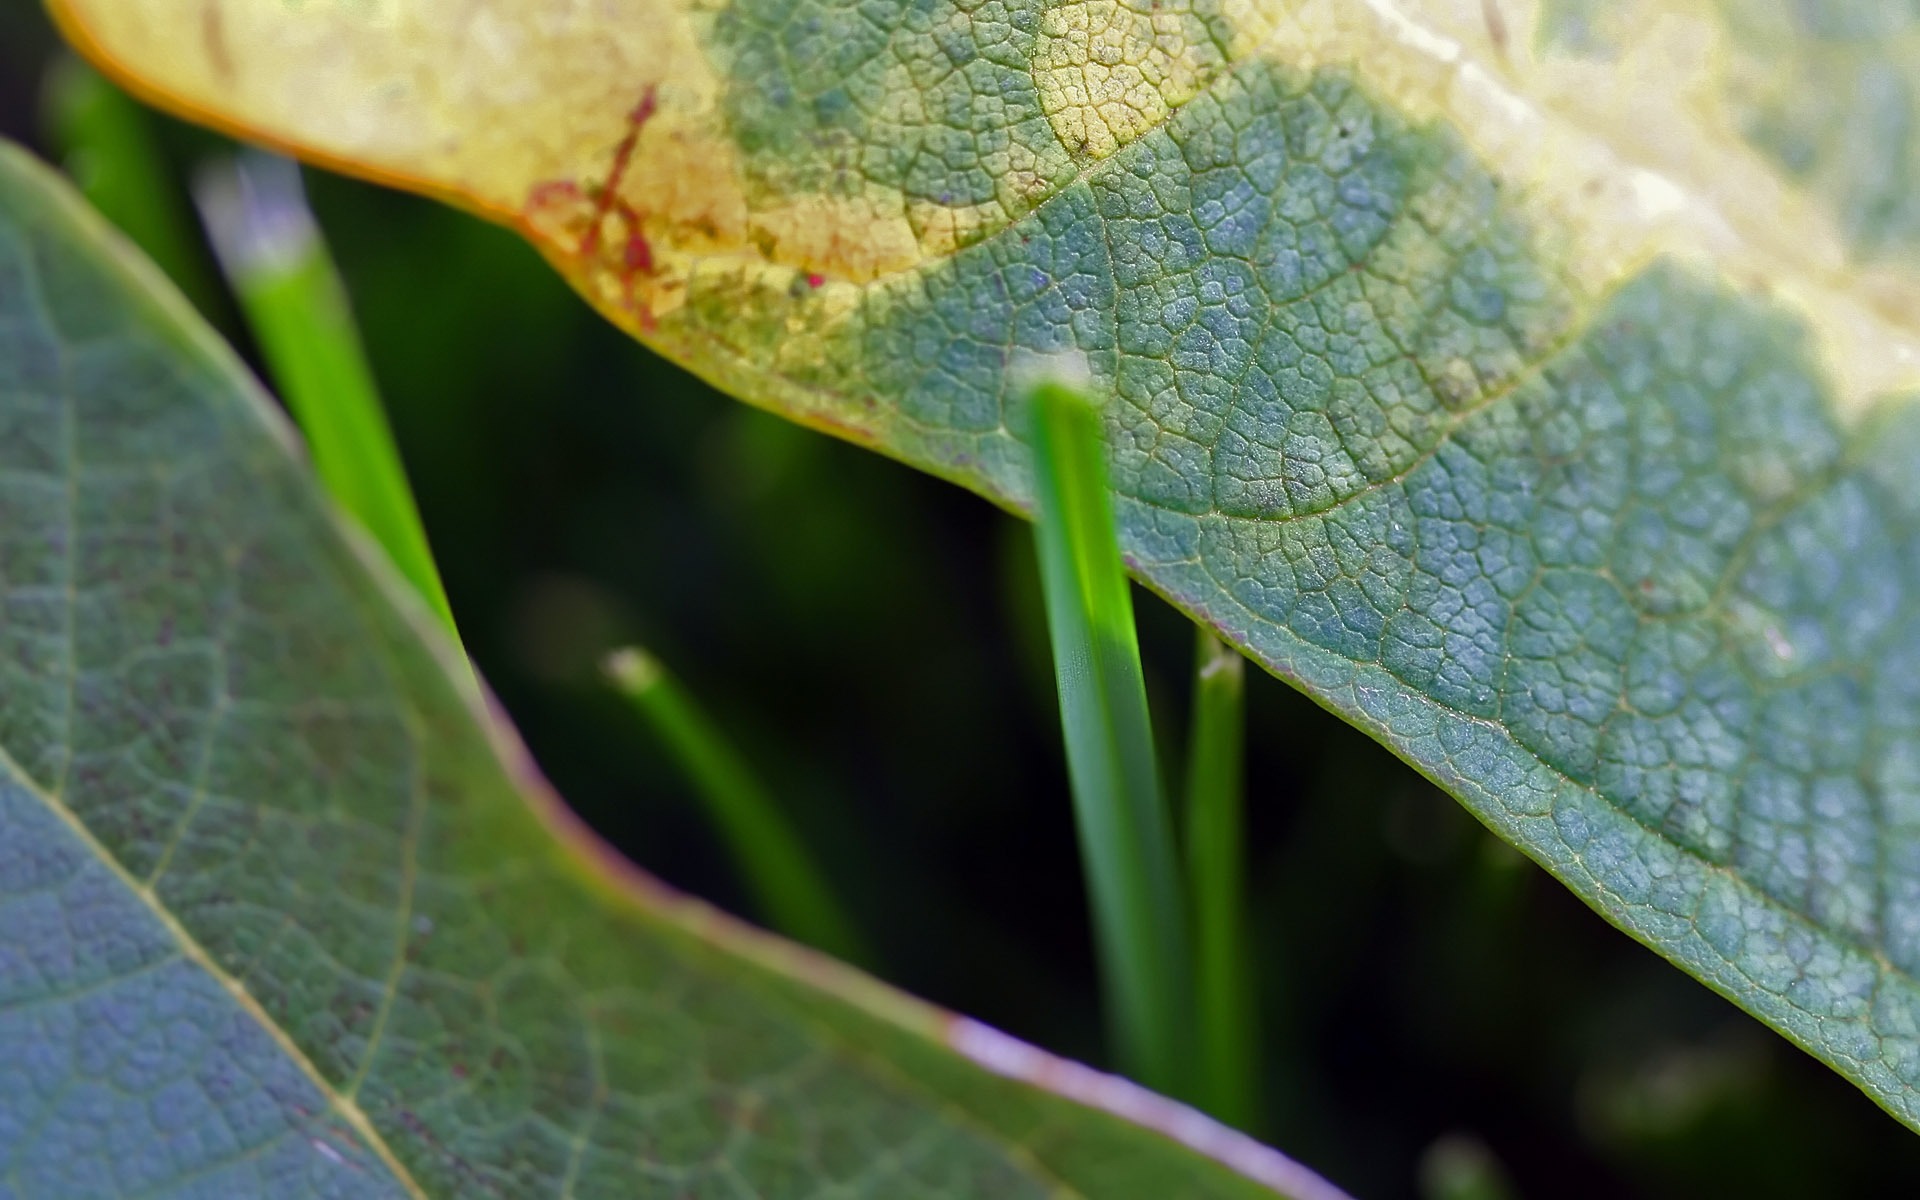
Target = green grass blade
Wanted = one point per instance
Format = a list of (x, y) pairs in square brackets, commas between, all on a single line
[(291, 294), (788, 886), (1225, 1079), (106, 142), (1126, 834)]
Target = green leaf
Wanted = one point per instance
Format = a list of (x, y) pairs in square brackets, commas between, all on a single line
[(282, 914), (1530, 383)]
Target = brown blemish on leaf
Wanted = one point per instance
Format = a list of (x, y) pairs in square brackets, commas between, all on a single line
[(1496, 25), (859, 237), (213, 36)]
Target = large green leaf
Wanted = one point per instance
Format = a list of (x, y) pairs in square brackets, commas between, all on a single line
[(279, 916), (1520, 379)]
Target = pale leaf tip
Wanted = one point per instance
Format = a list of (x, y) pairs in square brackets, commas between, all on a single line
[(256, 214), (1067, 370), (632, 669)]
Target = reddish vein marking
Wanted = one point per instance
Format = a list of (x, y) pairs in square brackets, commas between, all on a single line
[(622, 154)]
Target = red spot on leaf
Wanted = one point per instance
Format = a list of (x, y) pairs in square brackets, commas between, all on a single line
[(553, 192)]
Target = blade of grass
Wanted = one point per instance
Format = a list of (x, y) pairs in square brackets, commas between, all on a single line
[(1225, 1082), (787, 885), (106, 141), (273, 255), (1126, 833)]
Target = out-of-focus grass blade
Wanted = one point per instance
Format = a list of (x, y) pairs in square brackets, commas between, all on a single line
[(1461, 1167), (256, 213), (791, 890), (1126, 833), (106, 143), (1225, 1080)]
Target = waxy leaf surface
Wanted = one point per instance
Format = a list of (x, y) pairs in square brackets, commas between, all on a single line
[(1527, 381), (280, 918)]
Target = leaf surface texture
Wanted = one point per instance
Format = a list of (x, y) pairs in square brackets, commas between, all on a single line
[(1529, 382), (281, 915)]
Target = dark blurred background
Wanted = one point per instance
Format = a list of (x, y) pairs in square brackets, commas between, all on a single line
[(1437, 1009)]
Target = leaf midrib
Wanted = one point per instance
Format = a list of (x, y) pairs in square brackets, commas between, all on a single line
[(190, 949), (145, 285)]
